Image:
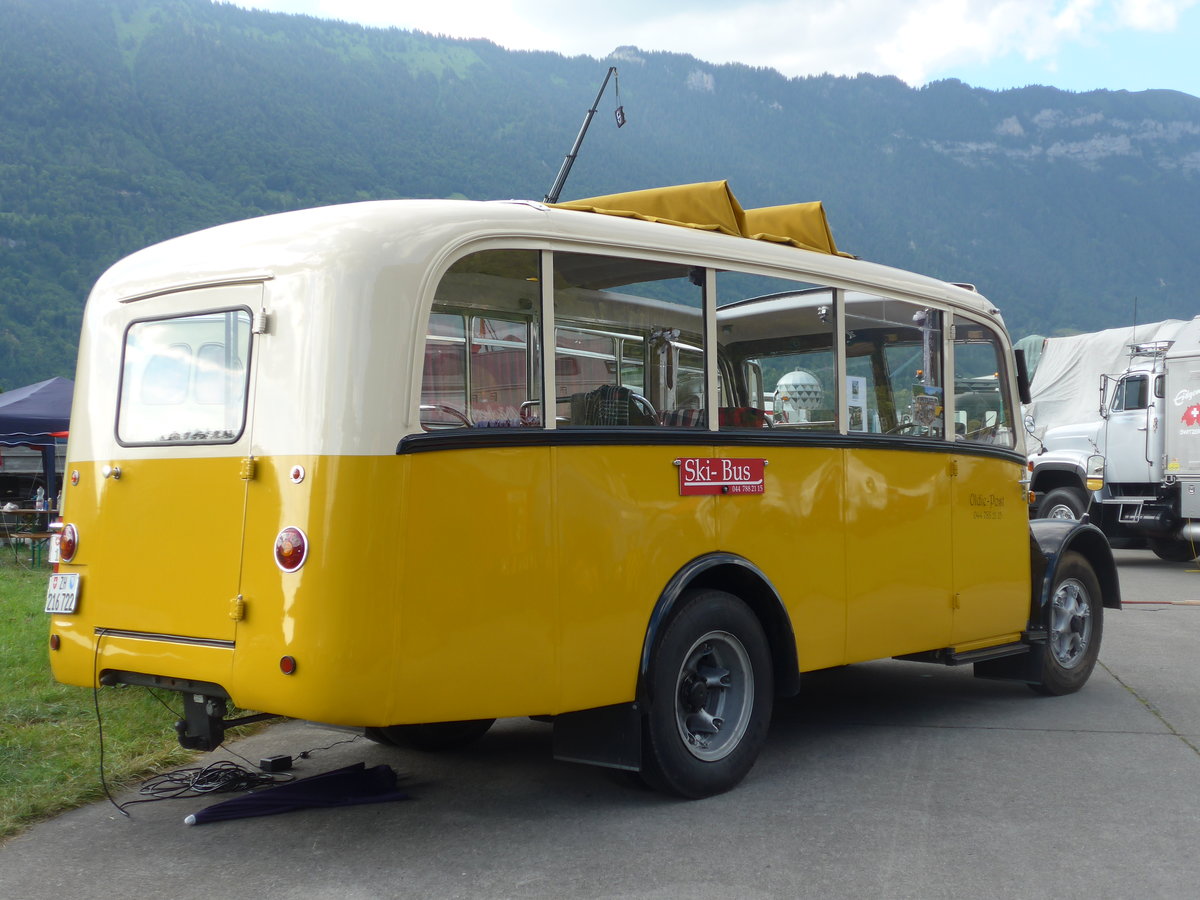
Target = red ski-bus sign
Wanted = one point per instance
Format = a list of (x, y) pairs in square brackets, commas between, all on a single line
[(709, 475)]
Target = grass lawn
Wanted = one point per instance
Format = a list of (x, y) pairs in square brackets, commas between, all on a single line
[(49, 747)]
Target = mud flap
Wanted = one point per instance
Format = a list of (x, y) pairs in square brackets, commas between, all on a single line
[(609, 736), (1023, 667)]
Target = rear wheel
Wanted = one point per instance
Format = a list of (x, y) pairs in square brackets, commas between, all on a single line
[(1173, 549), (710, 688), (1074, 620), (432, 736), (1063, 503)]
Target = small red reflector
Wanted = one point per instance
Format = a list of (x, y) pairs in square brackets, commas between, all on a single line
[(68, 543), (291, 549), (55, 641), (287, 665)]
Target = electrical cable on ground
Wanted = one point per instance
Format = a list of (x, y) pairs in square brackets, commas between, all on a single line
[(222, 776)]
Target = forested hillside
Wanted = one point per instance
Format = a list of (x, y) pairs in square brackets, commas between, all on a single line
[(124, 122)]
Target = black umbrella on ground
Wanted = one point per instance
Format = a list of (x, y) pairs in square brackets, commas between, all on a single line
[(349, 786)]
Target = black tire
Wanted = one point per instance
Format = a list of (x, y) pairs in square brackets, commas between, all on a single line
[(1173, 549), (1063, 503), (709, 692), (432, 736), (1074, 620)]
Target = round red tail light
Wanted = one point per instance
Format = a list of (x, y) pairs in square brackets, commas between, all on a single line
[(68, 543), (291, 549)]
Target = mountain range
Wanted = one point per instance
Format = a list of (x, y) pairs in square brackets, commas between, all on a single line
[(126, 122)]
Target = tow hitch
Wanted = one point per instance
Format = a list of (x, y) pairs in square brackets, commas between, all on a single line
[(204, 724)]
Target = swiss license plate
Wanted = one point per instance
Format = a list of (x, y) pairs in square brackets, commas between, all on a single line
[(62, 594)]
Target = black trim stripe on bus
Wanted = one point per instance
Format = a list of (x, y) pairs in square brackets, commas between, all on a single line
[(165, 638), (494, 438)]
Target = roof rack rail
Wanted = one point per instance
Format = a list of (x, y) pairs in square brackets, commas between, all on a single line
[(1150, 348)]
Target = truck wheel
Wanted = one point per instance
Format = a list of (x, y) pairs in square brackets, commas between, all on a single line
[(1074, 620), (1063, 503), (1173, 550), (432, 736), (709, 690)]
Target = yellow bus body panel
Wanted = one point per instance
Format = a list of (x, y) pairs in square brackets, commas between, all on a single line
[(622, 532), (992, 568), (396, 618), (898, 524), (452, 616), (148, 554), (794, 533), (478, 622), (335, 615), (157, 569)]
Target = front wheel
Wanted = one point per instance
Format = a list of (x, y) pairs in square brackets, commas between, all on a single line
[(1063, 503), (709, 690), (1074, 620)]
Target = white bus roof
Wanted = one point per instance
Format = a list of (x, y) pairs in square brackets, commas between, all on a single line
[(375, 235)]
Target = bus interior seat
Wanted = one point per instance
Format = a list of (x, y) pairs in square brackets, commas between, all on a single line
[(686, 417), (611, 404), (742, 417)]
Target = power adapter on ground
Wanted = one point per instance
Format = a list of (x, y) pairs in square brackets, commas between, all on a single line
[(275, 763)]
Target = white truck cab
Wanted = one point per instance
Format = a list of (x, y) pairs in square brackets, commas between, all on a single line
[(1135, 469)]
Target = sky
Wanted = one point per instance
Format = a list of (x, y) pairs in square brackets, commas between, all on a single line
[(1077, 45)]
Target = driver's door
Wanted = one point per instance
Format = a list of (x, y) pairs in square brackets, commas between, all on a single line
[(1130, 422)]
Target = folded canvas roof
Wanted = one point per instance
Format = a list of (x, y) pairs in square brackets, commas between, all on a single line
[(711, 206)]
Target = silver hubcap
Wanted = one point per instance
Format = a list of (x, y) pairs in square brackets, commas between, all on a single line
[(1070, 623), (1060, 511), (714, 696)]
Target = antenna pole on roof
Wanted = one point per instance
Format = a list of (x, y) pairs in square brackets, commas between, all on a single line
[(556, 189)]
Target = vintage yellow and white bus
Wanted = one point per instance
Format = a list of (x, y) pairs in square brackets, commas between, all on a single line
[(633, 464)]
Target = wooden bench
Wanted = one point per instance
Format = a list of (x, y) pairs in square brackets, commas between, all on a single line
[(38, 541)]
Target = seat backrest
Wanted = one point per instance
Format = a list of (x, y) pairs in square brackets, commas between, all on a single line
[(742, 417), (608, 404)]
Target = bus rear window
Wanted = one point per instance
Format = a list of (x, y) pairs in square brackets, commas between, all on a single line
[(183, 379)]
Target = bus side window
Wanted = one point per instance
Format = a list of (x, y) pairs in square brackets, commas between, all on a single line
[(777, 336), (444, 378), (479, 371), (982, 406), (894, 364), (498, 359), (628, 349)]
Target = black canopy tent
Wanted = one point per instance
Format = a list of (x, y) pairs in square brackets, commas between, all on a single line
[(36, 416)]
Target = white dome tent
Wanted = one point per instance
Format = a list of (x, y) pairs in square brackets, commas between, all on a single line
[(797, 393)]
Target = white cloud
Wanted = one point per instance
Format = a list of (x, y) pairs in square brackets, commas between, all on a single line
[(1150, 15), (907, 39), (915, 40)]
